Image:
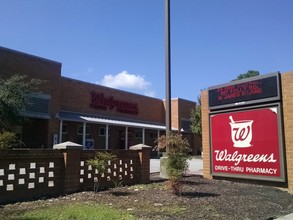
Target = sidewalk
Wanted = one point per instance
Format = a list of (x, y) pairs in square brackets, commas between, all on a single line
[(195, 166)]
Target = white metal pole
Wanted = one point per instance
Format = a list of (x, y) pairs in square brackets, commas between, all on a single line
[(143, 135), (126, 138), (83, 135), (107, 137), (60, 131)]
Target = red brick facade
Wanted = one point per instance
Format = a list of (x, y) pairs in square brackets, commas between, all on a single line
[(82, 98), (287, 92)]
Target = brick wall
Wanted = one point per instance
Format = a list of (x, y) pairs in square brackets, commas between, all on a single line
[(287, 94), (26, 174), (175, 113), (287, 102), (14, 62), (32, 174), (205, 134), (76, 97), (180, 109)]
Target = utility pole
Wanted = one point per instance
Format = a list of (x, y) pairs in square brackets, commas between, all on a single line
[(168, 69)]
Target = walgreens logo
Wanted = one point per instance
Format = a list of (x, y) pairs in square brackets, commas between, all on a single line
[(241, 135), (241, 132), (246, 142)]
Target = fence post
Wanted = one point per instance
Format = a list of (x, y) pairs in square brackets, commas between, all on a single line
[(144, 152), (71, 155)]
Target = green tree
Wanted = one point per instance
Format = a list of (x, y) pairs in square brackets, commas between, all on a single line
[(176, 161), (14, 95), (249, 73), (195, 117), (8, 140)]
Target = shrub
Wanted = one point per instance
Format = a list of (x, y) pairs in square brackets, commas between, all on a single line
[(8, 140), (178, 150), (100, 163)]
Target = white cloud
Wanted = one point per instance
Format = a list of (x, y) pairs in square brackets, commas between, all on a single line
[(127, 81)]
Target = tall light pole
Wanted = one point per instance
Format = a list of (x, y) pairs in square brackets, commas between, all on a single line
[(168, 68), (163, 160)]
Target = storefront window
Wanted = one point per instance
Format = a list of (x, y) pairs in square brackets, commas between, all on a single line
[(102, 131), (80, 130), (64, 129)]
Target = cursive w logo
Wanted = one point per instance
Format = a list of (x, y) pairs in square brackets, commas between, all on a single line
[(241, 132)]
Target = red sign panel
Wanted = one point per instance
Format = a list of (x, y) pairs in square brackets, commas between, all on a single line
[(247, 143)]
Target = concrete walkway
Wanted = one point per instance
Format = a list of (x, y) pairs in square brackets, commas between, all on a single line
[(195, 166)]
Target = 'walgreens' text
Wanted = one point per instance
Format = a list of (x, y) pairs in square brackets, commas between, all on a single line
[(237, 158), (100, 101)]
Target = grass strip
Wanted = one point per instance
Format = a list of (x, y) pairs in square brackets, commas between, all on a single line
[(75, 211)]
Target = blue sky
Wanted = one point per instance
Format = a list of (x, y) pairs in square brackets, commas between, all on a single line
[(120, 43)]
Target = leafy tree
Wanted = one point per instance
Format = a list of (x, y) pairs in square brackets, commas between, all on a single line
[(14, 95), (249, 73), (195, 117), (8, 140)]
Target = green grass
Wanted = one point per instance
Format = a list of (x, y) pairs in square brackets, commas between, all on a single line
[(75, 211)]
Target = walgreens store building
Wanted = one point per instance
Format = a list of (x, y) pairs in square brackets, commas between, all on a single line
[(94, 116)]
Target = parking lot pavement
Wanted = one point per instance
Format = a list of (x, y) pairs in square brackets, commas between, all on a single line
[(195, 166)]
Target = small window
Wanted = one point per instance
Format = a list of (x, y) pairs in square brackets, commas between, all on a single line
[(64, 129), (80, 130), (102, 131)]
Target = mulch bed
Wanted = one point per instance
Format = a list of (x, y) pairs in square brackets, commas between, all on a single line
[(200, 199)]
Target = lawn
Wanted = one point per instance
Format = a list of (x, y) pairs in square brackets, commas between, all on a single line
[(72, 211)]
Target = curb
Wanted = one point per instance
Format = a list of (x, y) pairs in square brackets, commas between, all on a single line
[(286, 217)]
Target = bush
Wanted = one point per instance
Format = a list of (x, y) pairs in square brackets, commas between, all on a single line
[(8, 140), (178, 150), (100, 163), (176, 165)]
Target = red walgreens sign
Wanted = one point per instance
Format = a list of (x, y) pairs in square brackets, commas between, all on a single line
[(247, 144)]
